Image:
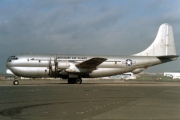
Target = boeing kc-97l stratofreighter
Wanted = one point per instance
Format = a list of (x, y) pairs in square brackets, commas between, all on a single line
[(75, 67)]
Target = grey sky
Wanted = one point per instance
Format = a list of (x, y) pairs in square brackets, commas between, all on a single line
[(103, 27)]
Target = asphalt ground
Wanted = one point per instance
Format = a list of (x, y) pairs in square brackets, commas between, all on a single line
[(92, 100)]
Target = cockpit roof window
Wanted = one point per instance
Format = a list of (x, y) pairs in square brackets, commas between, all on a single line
[(12, 58)]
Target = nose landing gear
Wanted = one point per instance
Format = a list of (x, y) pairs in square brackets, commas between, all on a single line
[(15, 82)]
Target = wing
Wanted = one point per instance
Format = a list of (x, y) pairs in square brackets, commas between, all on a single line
[(91, 63)]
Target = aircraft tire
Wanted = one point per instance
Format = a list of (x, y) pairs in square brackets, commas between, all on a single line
[(69, 81), (15, 82), (79, 81)]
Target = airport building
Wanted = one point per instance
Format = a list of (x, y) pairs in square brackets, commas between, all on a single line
[(174, 75)]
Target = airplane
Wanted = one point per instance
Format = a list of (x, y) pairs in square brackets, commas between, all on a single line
[(75, 67)]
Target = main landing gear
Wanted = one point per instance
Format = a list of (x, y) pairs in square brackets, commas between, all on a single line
[(74, 80)]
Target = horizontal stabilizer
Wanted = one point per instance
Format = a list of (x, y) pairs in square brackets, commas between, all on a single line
[(91, 63), (168, 56)]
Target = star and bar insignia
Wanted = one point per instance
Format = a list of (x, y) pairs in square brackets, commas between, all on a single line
[(129, 62)]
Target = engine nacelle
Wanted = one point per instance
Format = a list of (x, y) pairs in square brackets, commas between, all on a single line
[(64, 75), (72, 68), (138, 70), (62, 65), (53, 68)]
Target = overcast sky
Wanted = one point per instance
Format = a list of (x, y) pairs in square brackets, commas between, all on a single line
[(100, 27)]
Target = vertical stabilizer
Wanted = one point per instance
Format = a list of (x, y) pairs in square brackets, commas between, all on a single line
[(163, 45)]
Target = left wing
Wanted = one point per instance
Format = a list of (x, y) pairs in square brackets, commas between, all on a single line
[(91, 63)]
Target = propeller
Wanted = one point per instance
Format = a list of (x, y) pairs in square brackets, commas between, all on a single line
[(55, 60), (50, 67), (53, 66), (56, 64)]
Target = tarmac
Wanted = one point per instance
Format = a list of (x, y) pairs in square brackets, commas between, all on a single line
[(93, 100)]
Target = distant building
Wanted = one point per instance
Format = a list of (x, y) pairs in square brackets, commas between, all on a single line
[(174, 75), (2, 77)]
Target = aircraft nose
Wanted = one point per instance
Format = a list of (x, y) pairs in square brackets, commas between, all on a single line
[(7, 64), (9, 61)]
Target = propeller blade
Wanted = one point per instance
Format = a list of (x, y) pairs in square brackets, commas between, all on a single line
[(50, 67)]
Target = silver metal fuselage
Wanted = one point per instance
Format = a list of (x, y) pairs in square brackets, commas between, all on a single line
[(75, 67), (39, 65)]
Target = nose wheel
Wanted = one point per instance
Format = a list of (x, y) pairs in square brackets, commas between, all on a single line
[(15, 82)]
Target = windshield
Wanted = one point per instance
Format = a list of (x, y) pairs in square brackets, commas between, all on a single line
[(12, 58)]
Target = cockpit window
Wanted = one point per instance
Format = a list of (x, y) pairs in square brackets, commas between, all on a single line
[(12, 58)]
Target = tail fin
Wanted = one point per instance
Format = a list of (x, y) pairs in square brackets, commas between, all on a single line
[(163, 45)]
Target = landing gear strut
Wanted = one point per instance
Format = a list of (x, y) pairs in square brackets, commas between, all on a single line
[(74, 80)]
